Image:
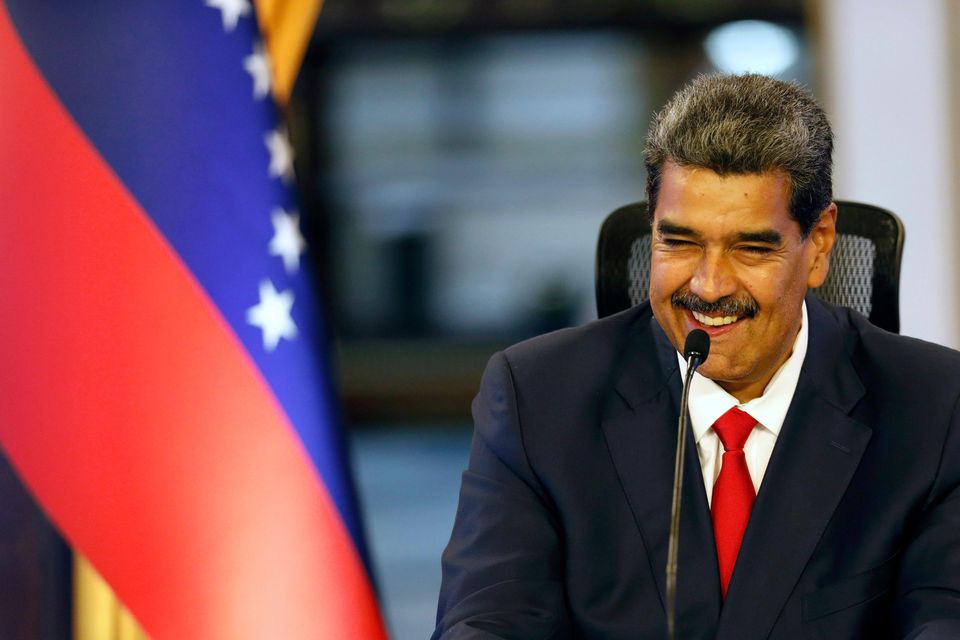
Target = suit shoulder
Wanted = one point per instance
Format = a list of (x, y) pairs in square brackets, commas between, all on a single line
[(903, 356)]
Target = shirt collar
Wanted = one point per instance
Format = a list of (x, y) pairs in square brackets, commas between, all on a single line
[(708, 400)]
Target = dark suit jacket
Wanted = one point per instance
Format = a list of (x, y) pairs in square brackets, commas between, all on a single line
[(561, 530)]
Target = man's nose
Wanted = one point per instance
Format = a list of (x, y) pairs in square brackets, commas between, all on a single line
[(713, 278)]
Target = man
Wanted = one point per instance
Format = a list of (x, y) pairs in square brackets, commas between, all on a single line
[(822, 485)]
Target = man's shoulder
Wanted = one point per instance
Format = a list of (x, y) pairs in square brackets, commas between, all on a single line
[(902, 356)]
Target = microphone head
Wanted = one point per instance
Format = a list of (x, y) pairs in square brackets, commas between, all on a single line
[(697, 344)]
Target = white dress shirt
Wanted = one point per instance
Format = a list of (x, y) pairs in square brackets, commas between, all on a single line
[(708, 401)]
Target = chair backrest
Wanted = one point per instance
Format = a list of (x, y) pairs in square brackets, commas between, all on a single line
[(864, 265)]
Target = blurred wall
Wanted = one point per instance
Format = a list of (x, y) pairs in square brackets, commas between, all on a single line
[(888, 72)]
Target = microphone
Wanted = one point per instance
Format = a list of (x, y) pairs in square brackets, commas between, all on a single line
[(696, 348), (697, 345)]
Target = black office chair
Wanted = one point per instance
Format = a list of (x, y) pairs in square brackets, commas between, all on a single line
[(864, 265)]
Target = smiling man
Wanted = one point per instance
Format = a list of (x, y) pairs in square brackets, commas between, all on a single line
[(826, 501), (729, 258)]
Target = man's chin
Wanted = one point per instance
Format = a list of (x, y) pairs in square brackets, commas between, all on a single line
[(719, 372)]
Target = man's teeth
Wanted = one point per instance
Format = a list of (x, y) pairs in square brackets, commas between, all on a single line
[(714, 322)]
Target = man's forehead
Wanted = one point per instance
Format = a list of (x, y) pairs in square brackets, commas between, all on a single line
[(698, 199), (672, 166)]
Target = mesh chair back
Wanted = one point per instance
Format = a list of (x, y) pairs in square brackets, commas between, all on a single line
[(864, 265)]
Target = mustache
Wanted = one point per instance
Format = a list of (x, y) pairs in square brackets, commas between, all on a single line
[(745, 307)]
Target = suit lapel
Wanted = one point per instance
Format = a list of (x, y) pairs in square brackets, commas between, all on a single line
[(639, 423), (815, 457)]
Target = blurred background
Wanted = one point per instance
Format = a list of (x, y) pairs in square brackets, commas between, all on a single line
[(458, 157)]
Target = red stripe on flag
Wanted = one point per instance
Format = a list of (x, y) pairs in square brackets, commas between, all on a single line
[(135, 417)]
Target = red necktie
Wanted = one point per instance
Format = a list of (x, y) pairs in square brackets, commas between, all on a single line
[(733, 492)]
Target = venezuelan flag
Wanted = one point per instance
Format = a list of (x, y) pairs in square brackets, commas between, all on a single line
[(165, 394)]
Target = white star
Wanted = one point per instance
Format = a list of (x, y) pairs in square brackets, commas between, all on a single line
[(272, 315), (257, 64), (281, 154), (287, 241), (230, 11)]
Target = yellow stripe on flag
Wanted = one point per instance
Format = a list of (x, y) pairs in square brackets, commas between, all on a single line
[(98, 614), (286, 26)]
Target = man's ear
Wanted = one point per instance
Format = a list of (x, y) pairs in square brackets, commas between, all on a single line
[(821, 240)]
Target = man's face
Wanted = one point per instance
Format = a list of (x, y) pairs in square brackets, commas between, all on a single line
[(728, 258)]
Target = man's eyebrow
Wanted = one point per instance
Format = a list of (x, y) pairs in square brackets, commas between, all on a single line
[(767, 236), (668, 228)]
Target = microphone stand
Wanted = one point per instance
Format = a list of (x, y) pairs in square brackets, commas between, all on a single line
[(694, 360)]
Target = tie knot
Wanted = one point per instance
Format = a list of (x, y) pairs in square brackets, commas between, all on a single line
[(733, 428)]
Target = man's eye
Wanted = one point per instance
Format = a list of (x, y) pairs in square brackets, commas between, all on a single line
[(757, 249), (676, 242)]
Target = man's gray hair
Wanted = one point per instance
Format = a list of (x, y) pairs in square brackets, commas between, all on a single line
[(742, 125)]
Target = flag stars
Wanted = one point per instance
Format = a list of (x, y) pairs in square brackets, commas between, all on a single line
[(287, 242), (281, 154), (230, 11), (272, 315), (257, 64)]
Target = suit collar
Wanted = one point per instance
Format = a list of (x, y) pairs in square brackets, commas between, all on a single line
[(649, 362), (639, 423), (828, 359)]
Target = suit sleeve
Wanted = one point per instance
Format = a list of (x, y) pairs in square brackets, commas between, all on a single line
[(503, 566), (928, 605)]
